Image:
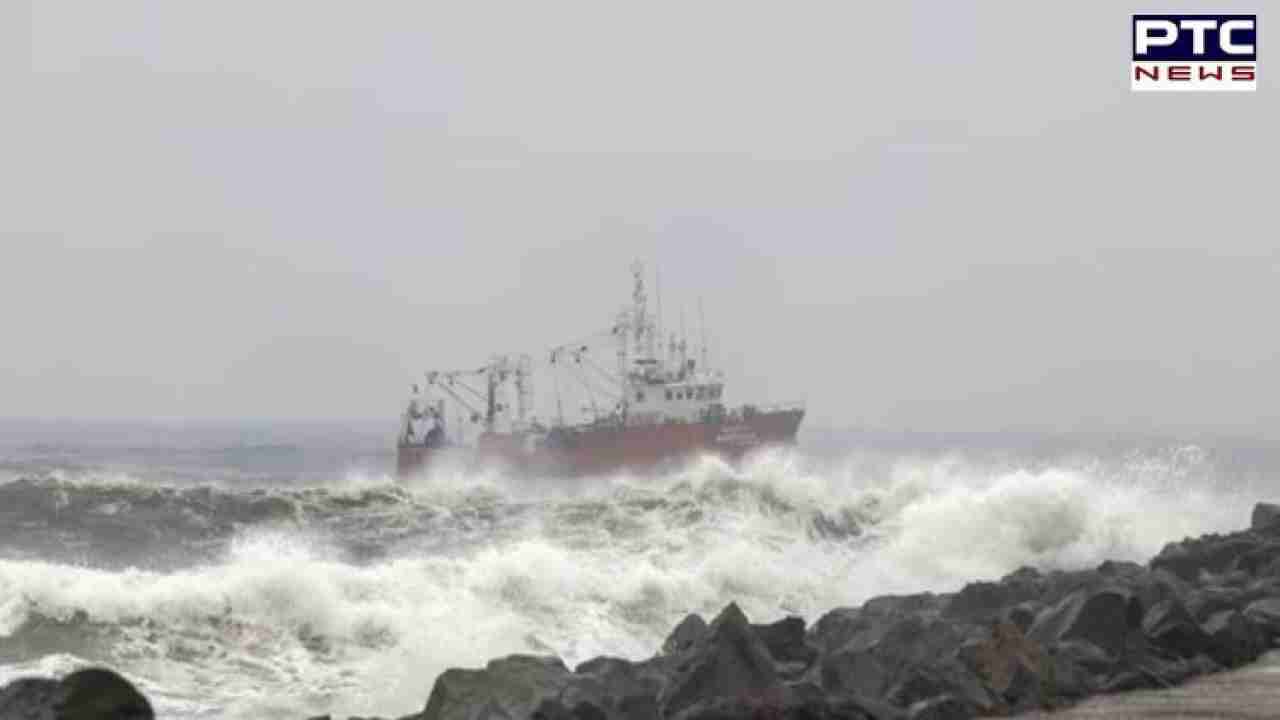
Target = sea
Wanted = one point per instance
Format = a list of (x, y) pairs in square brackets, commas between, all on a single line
[(278, 570)]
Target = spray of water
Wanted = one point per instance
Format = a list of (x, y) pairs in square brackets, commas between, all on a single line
[(286, 620)]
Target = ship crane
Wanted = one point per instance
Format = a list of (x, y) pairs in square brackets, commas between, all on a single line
[(579, 354), (485, 403), (446, 381)]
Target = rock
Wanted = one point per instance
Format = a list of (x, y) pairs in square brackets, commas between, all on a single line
[(88, 694), (786, 641), (903, 658), (513, 686), (1153, 672), (985, 600), (1235, 577), (1119, 569), (1270, 571), (901, 619), (729, 661), (890, 606), (854, 672), (100, 694), (1025, 688), (1265, 516), (854, 706), (1210, 554), (1088, 657), (864, 624), (1171, 627), (1065, 679), (29, 698), (837, 627), (556, 710), (1260, 561), (1196, 666), (943, 707), (950, 677), (1204, 602), (688, 632), (1104, 617), (618, 687), (801, 701), (1134, 679), (735, 708), (1208, 600), (1059, 584), (806, 700), (1026, 575), (1265, 614), (752, 709), (1011, 665), (1154, 586), (918, 639), (1233, 639), (1150, 586), (1021, 615)]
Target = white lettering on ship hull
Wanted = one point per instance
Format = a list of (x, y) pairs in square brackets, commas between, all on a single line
[(737, 436)]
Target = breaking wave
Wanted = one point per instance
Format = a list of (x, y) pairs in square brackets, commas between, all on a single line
[(350, 597)]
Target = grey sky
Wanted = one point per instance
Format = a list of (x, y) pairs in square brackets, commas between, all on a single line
[(925, 215)]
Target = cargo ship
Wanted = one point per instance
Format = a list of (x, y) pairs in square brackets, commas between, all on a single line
[(656, 405)]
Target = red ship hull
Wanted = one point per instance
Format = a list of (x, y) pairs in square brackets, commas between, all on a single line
[(605, 448)]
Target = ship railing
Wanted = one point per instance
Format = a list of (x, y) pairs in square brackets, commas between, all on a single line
[(781, 406), (778, 407)]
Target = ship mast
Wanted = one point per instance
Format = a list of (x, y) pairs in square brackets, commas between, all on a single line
[(702, 322), (622, 329), (684, 346), (640, 314), (491, 399), (524, 387), (657, 327)]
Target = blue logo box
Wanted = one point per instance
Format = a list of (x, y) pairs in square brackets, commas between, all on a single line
[(1173, 38)]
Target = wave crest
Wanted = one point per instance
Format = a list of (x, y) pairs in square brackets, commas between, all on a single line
[(310, 594)]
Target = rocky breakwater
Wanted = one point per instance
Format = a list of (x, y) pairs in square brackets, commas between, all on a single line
[(1029, 640)]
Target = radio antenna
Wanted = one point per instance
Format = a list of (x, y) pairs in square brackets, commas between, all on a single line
[(657, 287), (702, 320), (684, 344)]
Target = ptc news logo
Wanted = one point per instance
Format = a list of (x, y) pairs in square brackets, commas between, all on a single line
[(1194, 53)]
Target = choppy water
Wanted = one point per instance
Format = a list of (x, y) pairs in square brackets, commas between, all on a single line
[(239, 575)]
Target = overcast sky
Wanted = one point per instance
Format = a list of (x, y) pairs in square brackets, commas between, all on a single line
[(922, 215)]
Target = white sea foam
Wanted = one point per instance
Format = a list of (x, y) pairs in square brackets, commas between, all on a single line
[(283, 624)]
